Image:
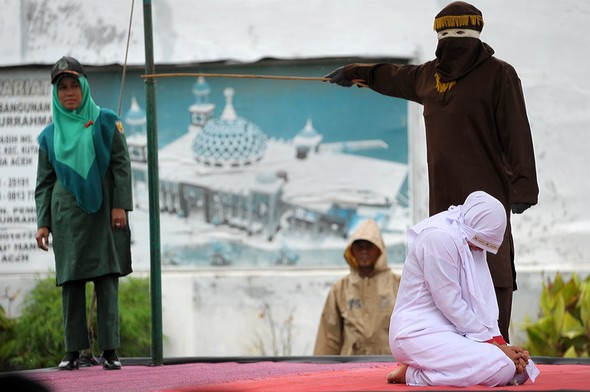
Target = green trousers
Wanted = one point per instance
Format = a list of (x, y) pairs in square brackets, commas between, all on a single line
[(74, 313)]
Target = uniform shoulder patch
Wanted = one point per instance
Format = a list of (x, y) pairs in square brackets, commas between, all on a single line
[(120, 126)]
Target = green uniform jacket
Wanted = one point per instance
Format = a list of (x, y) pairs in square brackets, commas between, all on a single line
[(85, 246)]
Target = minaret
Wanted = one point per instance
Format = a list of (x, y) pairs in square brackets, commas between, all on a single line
[(136, 132), (135, 119), (202, 110), (229, 113), (307, 141)]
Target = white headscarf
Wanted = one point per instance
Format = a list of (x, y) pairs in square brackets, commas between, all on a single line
[(481, 220)]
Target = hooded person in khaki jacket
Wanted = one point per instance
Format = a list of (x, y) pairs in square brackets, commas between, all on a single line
[(355, 319)]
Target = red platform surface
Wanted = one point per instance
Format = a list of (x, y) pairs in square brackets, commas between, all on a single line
[(281, 376)]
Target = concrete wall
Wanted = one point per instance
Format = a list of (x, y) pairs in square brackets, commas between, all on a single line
[(226, 312)]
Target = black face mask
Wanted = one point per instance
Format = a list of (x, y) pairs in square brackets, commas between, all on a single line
[(457, 56)]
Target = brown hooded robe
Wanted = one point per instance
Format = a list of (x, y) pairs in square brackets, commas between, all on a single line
[(477, 136)]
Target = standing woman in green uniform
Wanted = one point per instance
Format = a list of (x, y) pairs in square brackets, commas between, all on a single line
[(83, 195)]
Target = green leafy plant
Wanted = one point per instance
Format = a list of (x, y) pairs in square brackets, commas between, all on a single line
[(135, 318), (563, 326), (36, 338), (7, 334), (38, 332)]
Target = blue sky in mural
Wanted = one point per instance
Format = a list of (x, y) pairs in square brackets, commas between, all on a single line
[(279, 107)]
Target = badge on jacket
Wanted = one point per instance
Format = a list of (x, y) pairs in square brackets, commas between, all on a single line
[(120, 126)]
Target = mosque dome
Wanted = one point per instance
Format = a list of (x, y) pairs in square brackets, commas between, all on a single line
[(229, 141)]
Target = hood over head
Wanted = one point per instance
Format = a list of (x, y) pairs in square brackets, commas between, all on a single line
[(459, 48), (458, 14), (483, 221), (368, 231)]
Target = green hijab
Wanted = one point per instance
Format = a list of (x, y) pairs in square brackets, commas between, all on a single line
[(73, 131)]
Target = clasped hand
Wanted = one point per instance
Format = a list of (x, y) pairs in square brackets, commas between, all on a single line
[(518, 355)]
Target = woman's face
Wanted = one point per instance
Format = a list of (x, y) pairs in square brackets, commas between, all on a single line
[(69, 92)]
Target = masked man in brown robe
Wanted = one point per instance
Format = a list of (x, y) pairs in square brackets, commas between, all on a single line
[(477, 131)]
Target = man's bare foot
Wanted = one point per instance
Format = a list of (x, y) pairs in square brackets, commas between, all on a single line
[(398, 376)]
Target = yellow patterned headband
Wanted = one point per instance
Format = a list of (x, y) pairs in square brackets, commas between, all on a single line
[(485, 243), (452, 21)]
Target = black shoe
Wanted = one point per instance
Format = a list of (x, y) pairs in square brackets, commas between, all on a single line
[(87, 360), (110, 361), (70, 361)]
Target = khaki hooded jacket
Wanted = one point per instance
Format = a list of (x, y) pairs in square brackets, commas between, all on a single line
[(355, 319)]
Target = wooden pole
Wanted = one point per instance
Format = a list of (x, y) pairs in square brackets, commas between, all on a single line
[(358, 82), (240, 76)]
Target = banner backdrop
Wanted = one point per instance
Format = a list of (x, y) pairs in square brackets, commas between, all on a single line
[(253, 173), (25, 109)]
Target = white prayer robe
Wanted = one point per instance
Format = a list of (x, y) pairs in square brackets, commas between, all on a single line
[(434, 329)]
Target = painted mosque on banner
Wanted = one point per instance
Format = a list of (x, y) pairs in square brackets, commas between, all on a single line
[(225, 175)]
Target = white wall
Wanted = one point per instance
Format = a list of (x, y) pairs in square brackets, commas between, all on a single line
[(223, 313), (219, 313)]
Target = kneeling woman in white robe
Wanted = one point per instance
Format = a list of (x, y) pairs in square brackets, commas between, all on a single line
[(444, 327)]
